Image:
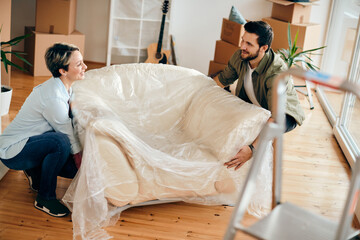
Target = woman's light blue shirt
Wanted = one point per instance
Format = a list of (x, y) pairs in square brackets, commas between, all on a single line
[(45, 109)]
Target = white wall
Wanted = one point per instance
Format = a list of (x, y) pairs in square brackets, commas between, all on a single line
[(196, 25), (92, 20), (320, 13)]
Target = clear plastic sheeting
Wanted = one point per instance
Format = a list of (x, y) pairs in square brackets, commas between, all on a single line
[(158, 132)]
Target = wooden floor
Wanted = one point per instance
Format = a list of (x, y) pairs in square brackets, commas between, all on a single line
[(316, 177)]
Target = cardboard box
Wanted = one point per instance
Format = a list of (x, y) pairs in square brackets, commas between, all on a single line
[(215, 67), (224, 51), (36, 46), (308, 38), (293, 12), (55, 16), (232, 32)]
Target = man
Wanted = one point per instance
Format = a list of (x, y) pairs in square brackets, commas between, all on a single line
[(255, 65)]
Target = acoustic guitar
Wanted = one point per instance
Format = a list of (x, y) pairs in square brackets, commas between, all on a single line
[(155, 52)]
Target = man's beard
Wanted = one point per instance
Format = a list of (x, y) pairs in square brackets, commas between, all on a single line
[(251, 56)]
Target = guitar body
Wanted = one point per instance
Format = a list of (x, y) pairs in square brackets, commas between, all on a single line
[(155, 53), (152, 55)]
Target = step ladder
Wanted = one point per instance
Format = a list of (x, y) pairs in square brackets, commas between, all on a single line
[(287, 221)]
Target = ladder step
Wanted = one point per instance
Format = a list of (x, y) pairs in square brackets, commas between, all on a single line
[(288, 221)]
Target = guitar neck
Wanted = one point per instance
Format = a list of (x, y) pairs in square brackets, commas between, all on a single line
[(159, 46)]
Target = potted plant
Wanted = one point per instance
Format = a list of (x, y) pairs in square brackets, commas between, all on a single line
[(6, 91), (293, 57), (301, 59)]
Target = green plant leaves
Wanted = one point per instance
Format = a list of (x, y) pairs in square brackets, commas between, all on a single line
[(14, 41), (289, 35), (7, 62), (10, 43), (292, 56)]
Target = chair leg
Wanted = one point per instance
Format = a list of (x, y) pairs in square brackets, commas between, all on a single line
[(307, 93)]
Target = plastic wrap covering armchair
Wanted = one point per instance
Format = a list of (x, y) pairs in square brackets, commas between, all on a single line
[(156, 133)]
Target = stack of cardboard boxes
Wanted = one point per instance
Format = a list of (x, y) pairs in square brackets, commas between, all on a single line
[(55, 22), (298, 15), (231, 33)]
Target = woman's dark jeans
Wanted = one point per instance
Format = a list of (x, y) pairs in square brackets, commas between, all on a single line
[(45, 157)]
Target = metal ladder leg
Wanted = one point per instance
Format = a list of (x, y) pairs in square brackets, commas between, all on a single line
[(272, 130), (249, 185), (351, 202)]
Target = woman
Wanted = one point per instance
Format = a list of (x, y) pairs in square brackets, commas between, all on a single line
[(41, 139)]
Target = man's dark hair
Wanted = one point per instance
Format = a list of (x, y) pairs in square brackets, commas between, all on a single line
[(263, 30)]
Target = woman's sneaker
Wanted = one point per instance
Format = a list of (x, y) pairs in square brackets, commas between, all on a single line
[(33, 183), (52, 207)]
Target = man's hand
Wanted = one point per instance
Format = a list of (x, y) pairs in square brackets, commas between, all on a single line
[(244, 154), (240, 158), (217, 80)]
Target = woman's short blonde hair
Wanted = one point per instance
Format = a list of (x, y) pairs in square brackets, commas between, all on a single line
[(58, 56)]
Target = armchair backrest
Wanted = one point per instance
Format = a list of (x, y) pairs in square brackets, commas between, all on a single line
[(148, 97)]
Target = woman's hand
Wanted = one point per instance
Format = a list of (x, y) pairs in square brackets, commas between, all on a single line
[(240, 158)]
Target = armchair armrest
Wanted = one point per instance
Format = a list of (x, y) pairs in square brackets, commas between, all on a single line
[(221, 121)]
